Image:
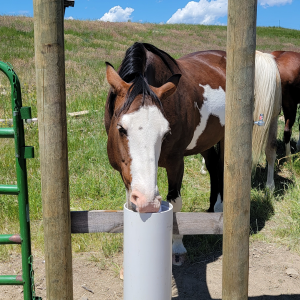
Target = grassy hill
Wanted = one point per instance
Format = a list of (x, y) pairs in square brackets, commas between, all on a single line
[(93, 183)]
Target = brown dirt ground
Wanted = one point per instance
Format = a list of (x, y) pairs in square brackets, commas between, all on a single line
[(274, 275)]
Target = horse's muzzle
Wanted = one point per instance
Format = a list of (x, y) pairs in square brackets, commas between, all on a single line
[(143, 205)]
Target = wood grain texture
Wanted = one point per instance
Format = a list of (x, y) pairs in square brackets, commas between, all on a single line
[(241, 43), (51, 96), (112, 221)]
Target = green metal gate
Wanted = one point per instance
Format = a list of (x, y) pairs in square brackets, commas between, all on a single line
[(22, 152)]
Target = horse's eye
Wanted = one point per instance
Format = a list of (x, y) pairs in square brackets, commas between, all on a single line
[(122, 130), (166, 134)]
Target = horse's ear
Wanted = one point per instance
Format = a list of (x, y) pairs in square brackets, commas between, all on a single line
[(168, 88), (116, 82)]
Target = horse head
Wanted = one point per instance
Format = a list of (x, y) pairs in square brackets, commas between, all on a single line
[(136, 131)]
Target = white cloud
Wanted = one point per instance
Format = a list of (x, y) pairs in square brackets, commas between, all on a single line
[(202, 12), (207, 12), (268, 3), (117, 14), (69, 18)]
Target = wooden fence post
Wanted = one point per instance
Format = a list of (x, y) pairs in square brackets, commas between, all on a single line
[(51, 96), (241, 43)]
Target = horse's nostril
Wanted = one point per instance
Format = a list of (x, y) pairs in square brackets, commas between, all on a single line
[(133, 206), (134, 199)]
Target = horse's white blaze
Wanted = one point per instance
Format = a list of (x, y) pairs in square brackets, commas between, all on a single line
[(213, 104), (145, 131)]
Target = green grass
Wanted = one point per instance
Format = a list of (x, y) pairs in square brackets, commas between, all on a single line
[(93, 182), (287, 221), (278, 32), (19, 43)]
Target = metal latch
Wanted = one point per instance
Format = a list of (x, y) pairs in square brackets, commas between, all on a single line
[(261, 120)]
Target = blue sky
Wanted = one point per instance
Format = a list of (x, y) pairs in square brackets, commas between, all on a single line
[(270, 12)]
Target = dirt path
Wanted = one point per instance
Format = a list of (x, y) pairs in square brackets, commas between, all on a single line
[(274, 274)]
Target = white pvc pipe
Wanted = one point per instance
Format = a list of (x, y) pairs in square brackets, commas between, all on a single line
[(148, 254)]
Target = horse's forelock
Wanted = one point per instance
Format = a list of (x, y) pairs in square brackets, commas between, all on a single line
[(134, 62), (132, 65), (140, 86), (133, 70)]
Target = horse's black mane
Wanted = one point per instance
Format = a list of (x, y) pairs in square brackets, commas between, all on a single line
[(132, 71)]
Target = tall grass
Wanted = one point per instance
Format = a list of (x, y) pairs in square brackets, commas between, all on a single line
[(93, 182)]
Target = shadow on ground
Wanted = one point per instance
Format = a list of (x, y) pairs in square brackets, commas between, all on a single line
[(282, 180), (191, 279), (262, 201)]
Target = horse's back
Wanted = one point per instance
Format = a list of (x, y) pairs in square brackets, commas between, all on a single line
[(201, 98), (213, 54), (286, 55), (205, 67), (210, 58), (288, 63)]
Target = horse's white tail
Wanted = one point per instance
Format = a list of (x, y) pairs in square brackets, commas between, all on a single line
[(267, 101)]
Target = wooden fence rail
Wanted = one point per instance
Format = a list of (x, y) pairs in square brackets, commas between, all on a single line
[(185, 223)]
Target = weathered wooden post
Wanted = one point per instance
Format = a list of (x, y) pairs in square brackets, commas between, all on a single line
[(51, 96), (241, 43)]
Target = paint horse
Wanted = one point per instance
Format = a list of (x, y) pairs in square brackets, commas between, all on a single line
[(288, 63), (266, 86), (159, 110)]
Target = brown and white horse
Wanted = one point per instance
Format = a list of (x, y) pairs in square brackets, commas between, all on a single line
[(288, 63), (154, 117)]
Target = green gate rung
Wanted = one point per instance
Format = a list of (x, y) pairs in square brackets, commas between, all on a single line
[(7, 133), (22, 152), (11, 280), (10, 239), (9, 189)]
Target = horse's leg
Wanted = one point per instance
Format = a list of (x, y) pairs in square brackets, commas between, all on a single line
[(287, 139), (212, 164), (175, 171), (271, 153), (288, 151), (219, 204), (203, 169), (290, 112)]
